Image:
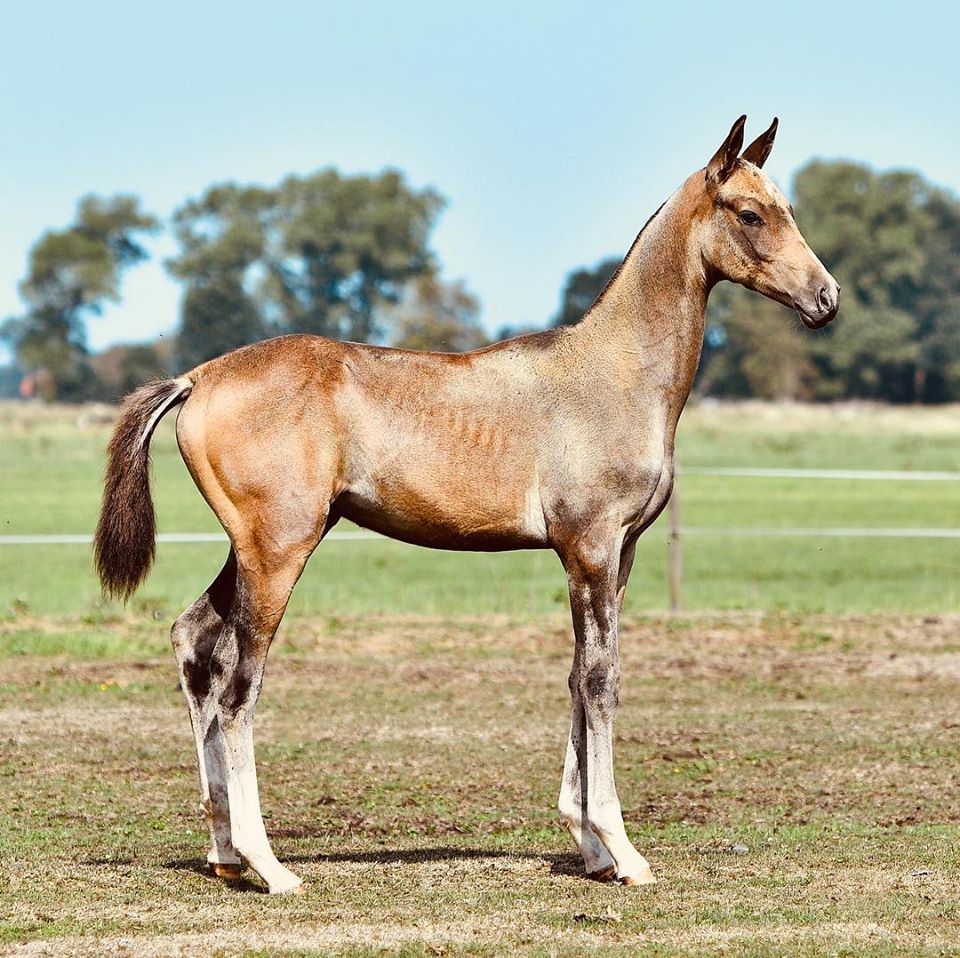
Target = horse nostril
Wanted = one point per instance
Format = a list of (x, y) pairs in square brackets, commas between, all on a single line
[(823, 299)]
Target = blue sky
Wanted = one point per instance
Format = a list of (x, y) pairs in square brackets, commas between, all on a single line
[(554, 129)]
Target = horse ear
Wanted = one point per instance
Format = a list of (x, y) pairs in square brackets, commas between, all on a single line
[(758, 151), (725, 159)]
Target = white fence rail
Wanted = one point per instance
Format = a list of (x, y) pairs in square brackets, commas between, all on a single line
[(868, 475), (837, 532)]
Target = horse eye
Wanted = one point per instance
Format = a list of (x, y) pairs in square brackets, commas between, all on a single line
[(749, 218)]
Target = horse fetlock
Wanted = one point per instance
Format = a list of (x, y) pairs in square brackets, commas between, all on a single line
[(297, 889), (597, 861), (607, 874), (569, 810), (223, 861), (261, 859), (606, 820), (633, 868)]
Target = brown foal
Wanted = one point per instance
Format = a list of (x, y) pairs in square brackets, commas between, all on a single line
[(561, 440)]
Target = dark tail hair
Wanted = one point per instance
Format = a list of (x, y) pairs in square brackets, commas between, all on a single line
[(123, 546)]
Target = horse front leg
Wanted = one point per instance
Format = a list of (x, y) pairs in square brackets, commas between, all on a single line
[(597, 861), (589, 802)]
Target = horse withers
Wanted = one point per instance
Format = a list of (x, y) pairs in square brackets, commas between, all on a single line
[(559, 440)]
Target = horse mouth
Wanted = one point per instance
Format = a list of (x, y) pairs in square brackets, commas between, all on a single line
[(816, 320)]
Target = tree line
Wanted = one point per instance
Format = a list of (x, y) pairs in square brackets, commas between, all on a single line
[(350, 257)]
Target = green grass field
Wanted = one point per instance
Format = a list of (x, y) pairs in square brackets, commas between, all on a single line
[(50, 481), (787, 755)]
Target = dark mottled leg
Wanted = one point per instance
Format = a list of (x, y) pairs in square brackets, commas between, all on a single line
[(194, 636)]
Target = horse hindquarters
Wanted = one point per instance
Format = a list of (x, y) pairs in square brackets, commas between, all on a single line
[(270, 484)]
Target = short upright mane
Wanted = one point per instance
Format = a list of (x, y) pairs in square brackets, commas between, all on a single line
[(619, 269)]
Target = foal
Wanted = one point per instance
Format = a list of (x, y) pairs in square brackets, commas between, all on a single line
[(561, 440)]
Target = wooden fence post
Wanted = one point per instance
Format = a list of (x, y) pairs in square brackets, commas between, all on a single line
[(675, 552)]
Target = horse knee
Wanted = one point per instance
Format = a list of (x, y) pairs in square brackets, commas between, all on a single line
[(237, 696)]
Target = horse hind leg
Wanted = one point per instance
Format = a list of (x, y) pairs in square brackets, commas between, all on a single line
[(265, 580), (194, 635)]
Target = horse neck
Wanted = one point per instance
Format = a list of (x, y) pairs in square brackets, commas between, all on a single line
[(650, 316)]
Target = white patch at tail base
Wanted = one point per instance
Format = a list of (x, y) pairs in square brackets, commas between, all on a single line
[(183, 389)]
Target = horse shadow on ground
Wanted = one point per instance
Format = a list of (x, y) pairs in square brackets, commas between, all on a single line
[(560, 864), (198, 866)]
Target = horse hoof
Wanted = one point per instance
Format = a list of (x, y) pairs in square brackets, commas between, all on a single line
[(294, 890), (231, 871), (604, 874), (642, 878)]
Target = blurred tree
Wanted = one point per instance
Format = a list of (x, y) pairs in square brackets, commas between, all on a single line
[(215, 318), (870, 230), (121, 369), (71, 274), (754, 347), (581, 290), (322, 254), (936, 306), (139, 364), (222, 238), (438, 316), (344, 247), (512, 331)]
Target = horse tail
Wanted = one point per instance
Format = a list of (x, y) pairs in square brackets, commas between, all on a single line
[(124, 543)]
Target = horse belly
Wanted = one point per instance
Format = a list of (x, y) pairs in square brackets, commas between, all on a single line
[(467, 510)]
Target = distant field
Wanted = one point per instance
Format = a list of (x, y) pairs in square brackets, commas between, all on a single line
[(50, 481)]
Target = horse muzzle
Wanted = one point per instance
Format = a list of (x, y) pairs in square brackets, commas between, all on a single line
[(817, 310)]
